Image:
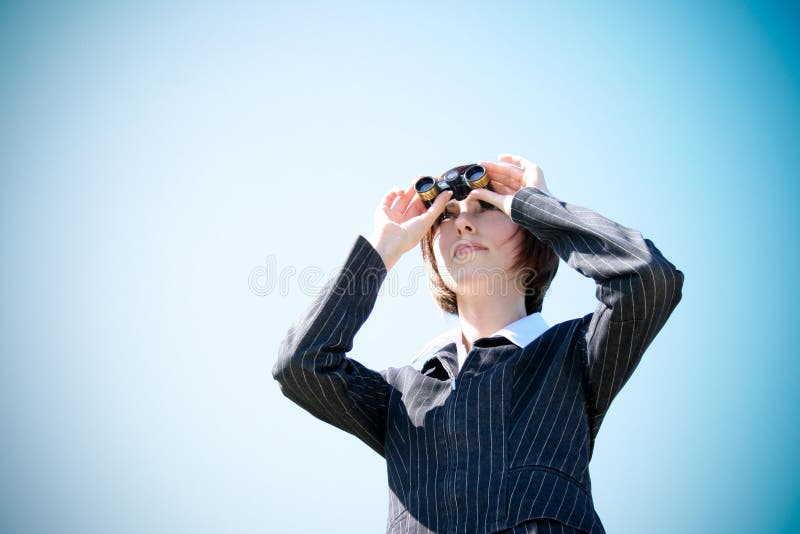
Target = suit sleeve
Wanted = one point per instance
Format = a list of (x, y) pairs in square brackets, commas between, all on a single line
[(637, 288), (312, 369)]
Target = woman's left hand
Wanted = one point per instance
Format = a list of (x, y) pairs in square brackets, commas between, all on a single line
[(506, 178)]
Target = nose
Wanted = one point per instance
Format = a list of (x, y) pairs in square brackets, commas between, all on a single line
[(464, 223)]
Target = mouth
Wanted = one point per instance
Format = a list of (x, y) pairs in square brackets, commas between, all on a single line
[(467, 248)]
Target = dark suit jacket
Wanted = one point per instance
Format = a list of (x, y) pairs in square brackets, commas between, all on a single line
[(508, 438)]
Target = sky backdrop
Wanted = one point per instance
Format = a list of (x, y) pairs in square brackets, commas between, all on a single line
[(177, 178)]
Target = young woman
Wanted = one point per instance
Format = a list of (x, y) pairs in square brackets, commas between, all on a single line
[(495, 431)]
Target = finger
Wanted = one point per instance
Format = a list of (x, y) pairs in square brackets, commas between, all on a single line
[(405, 198), (503, 173), (415, 207), (502, 169), (503, 189), (524, 164), (390, 197), (511, 158)]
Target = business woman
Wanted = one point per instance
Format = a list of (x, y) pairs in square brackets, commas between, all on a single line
[(494, 429)]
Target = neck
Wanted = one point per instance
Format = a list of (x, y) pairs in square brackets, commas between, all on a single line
[(483, 315)]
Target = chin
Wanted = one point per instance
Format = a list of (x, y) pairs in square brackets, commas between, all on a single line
[(476, 278)]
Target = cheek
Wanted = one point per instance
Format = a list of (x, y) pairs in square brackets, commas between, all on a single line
[(510, 240), (440, 248), (438, 251)]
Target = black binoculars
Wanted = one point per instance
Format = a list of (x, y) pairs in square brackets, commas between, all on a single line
[(460, 180)]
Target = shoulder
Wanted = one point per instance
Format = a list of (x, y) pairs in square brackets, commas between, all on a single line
[(567, 330)]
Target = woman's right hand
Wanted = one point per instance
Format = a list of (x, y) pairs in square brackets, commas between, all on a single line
[(401, 220)]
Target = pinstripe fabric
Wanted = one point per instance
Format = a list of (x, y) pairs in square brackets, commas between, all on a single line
[(542, 526), (504, 443)]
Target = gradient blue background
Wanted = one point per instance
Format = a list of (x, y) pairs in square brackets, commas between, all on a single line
[(154, 157)]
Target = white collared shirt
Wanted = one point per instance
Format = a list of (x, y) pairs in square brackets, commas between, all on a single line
[(521, 332)]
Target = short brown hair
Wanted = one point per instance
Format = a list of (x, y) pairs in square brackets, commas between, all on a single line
[(536, 258)]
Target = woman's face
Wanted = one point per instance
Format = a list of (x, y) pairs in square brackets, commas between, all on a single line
[(475, 247)]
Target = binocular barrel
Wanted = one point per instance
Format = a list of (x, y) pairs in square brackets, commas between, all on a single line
[(460, 180)]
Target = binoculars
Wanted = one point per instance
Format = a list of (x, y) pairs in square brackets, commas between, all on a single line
[(460, 180)]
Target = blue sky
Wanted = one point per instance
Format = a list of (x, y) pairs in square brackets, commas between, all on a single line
[(157, 159)]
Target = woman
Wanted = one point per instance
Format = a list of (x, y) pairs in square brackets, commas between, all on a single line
[(495, 432)]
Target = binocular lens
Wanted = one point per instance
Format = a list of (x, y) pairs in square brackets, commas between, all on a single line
[(426, 188), (425, 184), (476, 176), (459, 180)]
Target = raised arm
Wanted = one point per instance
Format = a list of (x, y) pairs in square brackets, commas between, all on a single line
[(637, 288), (312, 367)]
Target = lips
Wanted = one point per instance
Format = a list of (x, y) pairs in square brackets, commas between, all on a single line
[(466, 248)]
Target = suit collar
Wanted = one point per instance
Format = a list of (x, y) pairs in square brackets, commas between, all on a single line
[(521, 333)]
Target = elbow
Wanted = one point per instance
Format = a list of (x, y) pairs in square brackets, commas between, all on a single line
[(656, 294), (677, 286), (279, 370), (282, 369), (287, 372), (668, 290)]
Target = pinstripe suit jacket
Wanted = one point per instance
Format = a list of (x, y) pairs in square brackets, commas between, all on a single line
[(508, 437)]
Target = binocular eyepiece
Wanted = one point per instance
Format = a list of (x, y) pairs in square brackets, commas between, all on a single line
[(460, 180)]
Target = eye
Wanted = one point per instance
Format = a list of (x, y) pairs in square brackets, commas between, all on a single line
[(447, 214), (487, 205)]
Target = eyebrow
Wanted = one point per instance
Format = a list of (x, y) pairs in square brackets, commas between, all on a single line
[(454, 202)]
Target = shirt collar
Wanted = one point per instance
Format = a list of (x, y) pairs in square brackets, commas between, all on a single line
[(521, 333)]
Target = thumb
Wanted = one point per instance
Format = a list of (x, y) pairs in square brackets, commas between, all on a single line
[(501, 202), (437, 207), (423, 222), (489, 196)]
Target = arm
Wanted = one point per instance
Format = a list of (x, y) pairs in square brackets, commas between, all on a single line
[(636, 286), (312, 368)]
